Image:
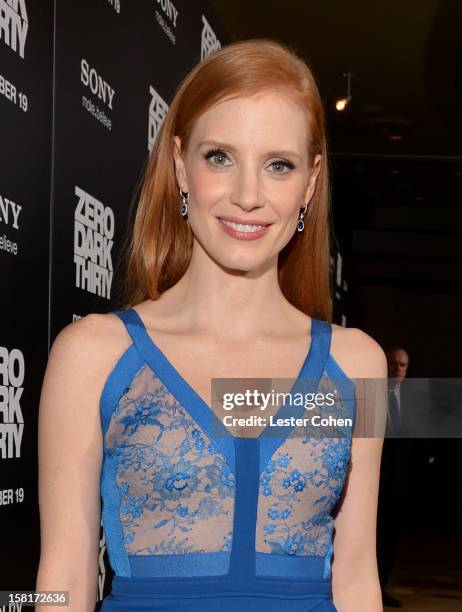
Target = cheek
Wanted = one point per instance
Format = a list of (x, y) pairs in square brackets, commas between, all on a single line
[(286, 197), (206, 188)]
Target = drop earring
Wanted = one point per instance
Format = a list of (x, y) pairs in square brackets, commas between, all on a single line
[(301, 224), (184, 203)]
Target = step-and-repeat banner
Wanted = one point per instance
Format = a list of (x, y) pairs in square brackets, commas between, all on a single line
[(84, 87), (26, 102)]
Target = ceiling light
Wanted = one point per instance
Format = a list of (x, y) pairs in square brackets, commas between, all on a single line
[(342, 103)]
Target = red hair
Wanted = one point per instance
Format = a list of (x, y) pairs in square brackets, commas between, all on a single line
[(160, 246)]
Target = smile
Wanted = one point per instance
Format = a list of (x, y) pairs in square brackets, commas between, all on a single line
[(243, 228), (243, 231)]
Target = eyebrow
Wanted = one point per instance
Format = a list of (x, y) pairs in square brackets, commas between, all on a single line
[(274, 153)]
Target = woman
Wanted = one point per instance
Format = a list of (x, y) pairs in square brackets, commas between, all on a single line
[(227, 278)]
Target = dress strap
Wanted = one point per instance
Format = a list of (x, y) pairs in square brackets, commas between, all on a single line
[(133, 324), (323, 331)]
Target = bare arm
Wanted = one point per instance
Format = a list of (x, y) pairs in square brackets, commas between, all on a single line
[(355, 580), (70, 455)]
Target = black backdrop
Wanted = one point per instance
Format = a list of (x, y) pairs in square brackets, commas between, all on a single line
[(25, 165), (84, 87)]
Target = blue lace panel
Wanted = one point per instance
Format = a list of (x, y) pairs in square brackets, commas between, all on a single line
[(176, 490), (300, 485)]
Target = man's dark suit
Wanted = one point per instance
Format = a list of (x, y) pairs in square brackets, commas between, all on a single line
[(394, 474)]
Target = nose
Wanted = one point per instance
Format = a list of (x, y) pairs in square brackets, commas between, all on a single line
[(247, 188)]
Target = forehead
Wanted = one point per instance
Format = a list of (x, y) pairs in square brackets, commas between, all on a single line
[(398, 356), (268, 119)]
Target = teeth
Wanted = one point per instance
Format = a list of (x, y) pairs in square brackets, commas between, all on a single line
[(242, 228)]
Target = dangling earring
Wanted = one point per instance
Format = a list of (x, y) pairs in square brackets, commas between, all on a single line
[(184, 206), (301, 224)]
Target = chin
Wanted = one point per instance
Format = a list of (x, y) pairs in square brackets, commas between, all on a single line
[(239, 264)]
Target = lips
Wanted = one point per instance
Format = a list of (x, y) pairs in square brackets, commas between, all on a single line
[(243, 227), (243, 231)]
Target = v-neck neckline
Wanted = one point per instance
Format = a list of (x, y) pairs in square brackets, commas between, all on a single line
[(189, 397)]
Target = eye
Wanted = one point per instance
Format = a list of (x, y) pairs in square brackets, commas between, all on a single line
[(282, 166), (216, 157)]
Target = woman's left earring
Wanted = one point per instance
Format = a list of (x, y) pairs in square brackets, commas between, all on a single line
[(301, 224), (184, 203)]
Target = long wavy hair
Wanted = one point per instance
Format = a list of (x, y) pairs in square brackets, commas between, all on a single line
[(158, 250)]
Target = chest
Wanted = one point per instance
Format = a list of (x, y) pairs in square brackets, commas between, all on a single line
[(211, 369)]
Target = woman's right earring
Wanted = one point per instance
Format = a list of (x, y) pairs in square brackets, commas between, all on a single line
[(184, 205), (301, 224)]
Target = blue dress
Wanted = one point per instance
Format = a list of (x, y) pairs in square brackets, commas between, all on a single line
[(197, 519)]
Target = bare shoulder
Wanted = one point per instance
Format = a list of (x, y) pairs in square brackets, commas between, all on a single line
[(90, 346), (358, 353), (93, 327)]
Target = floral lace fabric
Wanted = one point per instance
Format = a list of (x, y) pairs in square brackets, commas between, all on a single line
[(177, 491)]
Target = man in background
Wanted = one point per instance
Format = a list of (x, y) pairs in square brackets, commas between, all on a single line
[(393, 472), (398, 361)]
